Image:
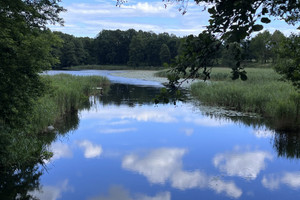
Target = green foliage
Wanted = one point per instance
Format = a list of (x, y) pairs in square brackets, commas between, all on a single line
[(197, 53), (236, 20), (261, 46), (288, 63), (25, 50), (115, 47), (165, 55)]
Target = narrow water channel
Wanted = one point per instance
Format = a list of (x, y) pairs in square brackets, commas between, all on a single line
[(124, 147)]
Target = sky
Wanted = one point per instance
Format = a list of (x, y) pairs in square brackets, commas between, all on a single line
[(86, 18)]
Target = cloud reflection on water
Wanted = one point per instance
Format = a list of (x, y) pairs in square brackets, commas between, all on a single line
[(246, 165), (90, 150), (120, 193), (124, 115), (273, 182), (165, 164), (49, 192), (60, 150)]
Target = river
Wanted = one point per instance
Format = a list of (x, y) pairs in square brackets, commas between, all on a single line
[(125, 147)]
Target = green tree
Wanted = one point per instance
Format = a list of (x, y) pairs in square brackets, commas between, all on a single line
[(235, 20), (260, 45), (276, 39), (25, 51), (198, 52), (165, 55), (137, 50), (288, 63)]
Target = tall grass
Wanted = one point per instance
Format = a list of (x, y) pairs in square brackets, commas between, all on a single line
[(224, 74), (66, 94), (262, 93)]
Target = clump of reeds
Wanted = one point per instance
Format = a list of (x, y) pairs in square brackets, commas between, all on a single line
[(66, 93), (262, 93)]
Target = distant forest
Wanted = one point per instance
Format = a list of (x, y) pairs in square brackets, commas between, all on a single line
[(140, 48)]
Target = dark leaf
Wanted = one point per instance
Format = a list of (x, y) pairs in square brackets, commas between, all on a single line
[(211, 11), (264, 11), (265, 20), (257, 27), (243, 76)]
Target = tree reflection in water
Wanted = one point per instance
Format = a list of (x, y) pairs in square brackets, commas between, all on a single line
[(23, 155)]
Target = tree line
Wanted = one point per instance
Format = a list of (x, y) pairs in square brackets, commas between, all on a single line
[(116, 47), (140, 48)]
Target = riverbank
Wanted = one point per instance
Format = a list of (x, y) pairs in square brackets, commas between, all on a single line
[(263, 93), (111, 67), (66, 94)]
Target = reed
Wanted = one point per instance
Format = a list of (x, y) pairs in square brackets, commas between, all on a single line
[(262, 93), (67, 93)]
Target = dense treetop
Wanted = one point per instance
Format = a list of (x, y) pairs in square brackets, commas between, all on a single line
[(25, 50)]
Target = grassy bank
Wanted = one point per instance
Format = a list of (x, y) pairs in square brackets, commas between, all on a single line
[(67, 94), (111, 67), (262, 93)]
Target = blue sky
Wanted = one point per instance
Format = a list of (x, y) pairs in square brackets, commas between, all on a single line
[(89, 17)]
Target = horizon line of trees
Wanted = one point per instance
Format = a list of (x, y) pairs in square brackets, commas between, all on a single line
[(140, 48)]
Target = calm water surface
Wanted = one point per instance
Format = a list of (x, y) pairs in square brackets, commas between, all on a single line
[(126, 148)]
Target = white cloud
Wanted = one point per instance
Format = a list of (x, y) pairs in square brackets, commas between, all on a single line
[(121, 122), (90, 150), (119, 193), (157, 166), (60, 150), (165, 164), (144, 114), (229, 188), (115, 130), (246, 165), (186, 180), (147, 8), (52, 192), (263, 133), (271, 182), (163, 114), (290, 179), (147, 16)]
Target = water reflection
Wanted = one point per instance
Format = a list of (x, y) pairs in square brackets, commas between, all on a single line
[(159, 152), (165, 164), (23, 156), (60, 150), (120, 193), (287, 144), (49, 192), (246, 165), (129, 95), (90, 150), (290, 179)]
